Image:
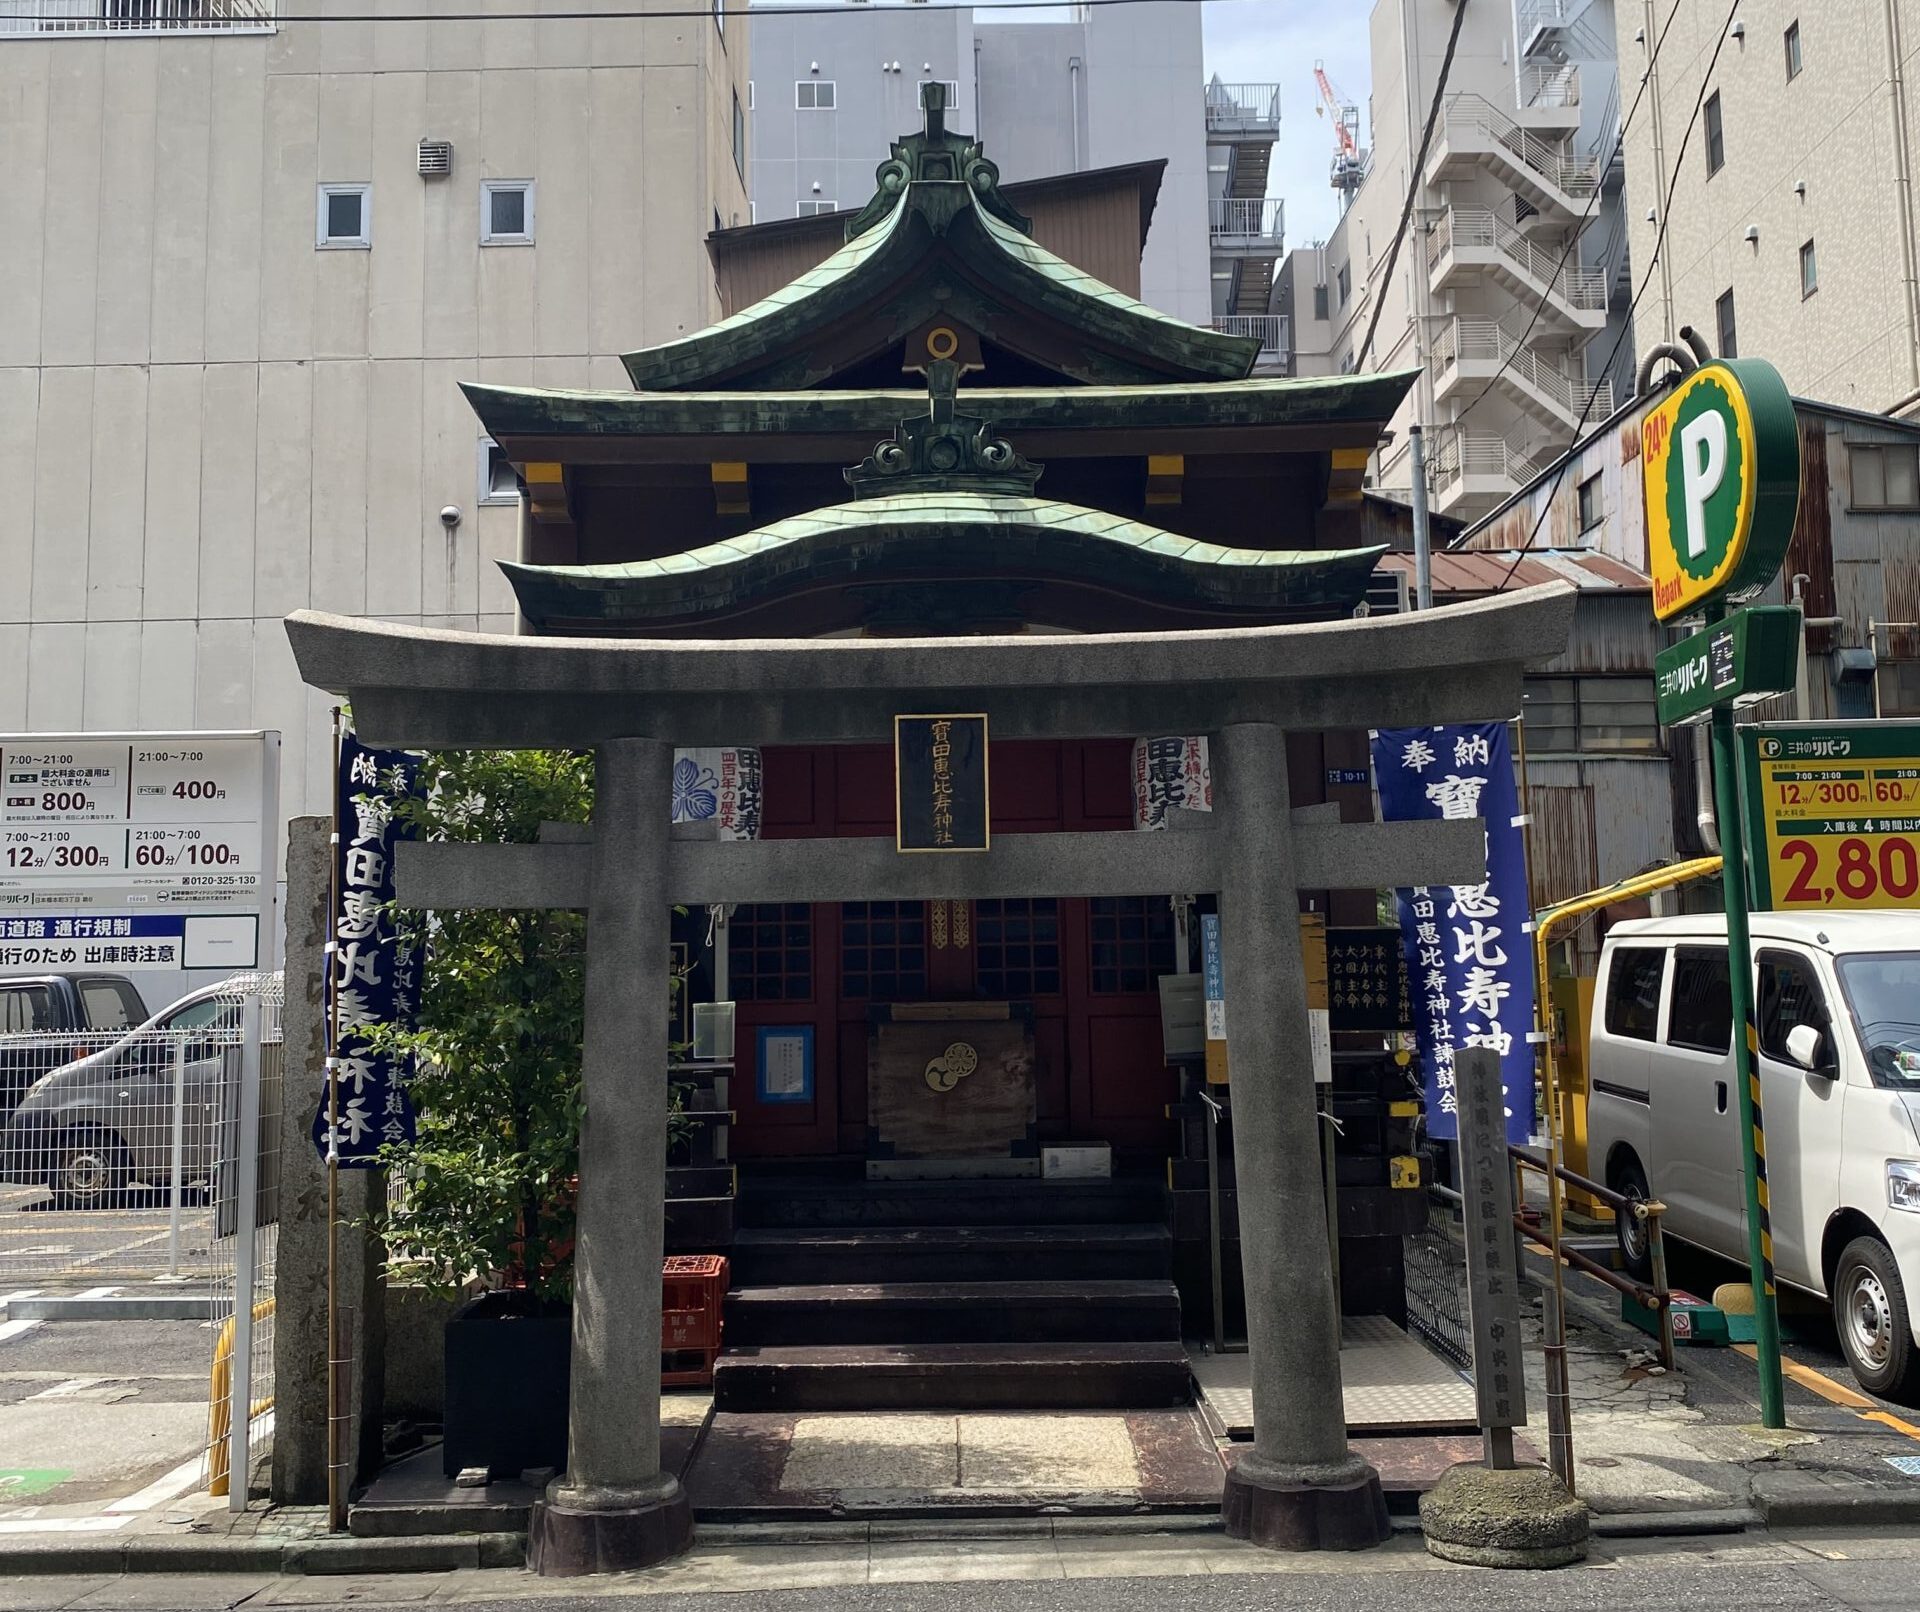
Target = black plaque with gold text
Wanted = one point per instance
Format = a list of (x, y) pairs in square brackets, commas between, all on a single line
[(940, 783)]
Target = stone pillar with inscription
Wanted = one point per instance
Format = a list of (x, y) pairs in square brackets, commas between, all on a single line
[(1299, 1487), (614, 1509)]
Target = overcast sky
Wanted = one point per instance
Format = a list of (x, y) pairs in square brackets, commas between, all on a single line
[(1278, 41)]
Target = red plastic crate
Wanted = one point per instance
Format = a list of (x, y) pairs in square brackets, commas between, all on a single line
[(692, 1289)]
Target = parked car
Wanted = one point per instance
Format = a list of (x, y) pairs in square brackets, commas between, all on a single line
[(47, 1020), (92, 1128), (1837, 1008)]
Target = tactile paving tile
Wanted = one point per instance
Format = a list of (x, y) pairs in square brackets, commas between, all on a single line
[(1389, 1381)]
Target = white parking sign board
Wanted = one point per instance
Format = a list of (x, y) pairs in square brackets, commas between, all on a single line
[(146, 851)]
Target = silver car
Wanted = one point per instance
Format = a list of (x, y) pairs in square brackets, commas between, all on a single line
[(91, 1129)]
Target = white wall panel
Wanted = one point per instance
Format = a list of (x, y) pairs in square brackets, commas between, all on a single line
[(289, 207), (61, 494), (23, 194), (236, 198), (19, 442), (180, 201), (167, 674), (223, 681), (170, 570), (56, 677), (338, 551), (396, 288), (116, 537), (395, 533), (283, 489), (13, 675), (123, 294), (112, 694), (230, 406), (71, 265)]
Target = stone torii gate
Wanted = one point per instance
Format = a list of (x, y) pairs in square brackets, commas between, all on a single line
[(633, 701)]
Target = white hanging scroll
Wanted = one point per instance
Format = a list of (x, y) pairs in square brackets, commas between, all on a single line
[(1170, 775), (721, 786)]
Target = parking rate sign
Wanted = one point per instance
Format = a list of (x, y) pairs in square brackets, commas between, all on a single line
[(137, 851)]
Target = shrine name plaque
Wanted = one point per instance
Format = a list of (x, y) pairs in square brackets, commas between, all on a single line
[(950, 1091), (940, 783)]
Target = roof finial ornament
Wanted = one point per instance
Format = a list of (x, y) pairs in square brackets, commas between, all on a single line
[(933, 102), (943, 451), (936, 156)]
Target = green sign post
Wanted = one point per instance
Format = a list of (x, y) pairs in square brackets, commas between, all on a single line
[(1751, 656), (1720, 468)]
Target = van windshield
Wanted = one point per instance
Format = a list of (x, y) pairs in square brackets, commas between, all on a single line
[(1883, 989)]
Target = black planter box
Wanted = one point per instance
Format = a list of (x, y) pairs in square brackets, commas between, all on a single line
[(506, 1402)]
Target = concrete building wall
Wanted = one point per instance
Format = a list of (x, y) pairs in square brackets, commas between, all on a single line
[(206, 421), (1047, 98), (1814, 157)]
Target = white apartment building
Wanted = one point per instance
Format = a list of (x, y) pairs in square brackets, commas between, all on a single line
[(245, 266), (1792, 233), (1509, 292)]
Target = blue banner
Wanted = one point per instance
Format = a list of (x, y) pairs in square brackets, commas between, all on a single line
[(1469, 948), (372, 975)]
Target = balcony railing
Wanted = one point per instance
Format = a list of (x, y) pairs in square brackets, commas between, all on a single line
[(1242, 108), (1473, 453), (1550, 85), (1470, 227), (1471, 116), (41, 17), (1248, 220), (1486, 341), (1275, 330)]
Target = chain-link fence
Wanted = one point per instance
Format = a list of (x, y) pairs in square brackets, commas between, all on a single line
[(1436, 1267)]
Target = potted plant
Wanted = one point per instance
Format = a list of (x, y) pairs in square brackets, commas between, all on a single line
[(486, 1206)]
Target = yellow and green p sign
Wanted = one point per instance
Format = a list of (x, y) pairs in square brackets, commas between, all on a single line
[(1721, 461)]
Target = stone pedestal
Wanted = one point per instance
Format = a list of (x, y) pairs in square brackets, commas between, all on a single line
[(1340, 1508), (1516, 1518), (609, 1530)]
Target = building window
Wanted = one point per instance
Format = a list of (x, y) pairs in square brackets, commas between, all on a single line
[(1885, 475), (1716, 136), (506, 212), (1131, 939), (813, 95), (770, 952), (1592, 505), (1016, 947), (817, 204), (345, 217), (499, 481), (1320, 302), (883, 950), (1345, 282), (1723, 317), (739, 138), (1809, 272), (1794, 63), (1587, 715)]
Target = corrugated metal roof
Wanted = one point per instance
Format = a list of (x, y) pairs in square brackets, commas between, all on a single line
[(1473, 572)]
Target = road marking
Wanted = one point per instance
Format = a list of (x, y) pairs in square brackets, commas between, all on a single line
[(66, 1525), (1893, 1422), (68, 1387), (1835, 1393), (185, 1476)]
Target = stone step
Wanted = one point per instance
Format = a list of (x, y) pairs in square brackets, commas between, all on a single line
[(954, 1312), (820, 1204), (952, 1254), (953, 1376)]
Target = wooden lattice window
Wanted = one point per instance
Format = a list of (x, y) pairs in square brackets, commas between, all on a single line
[(1017, 947), (883, 950), (1131, 939), (770, 952)]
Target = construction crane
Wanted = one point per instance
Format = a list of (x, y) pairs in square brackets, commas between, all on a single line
[(1349, 161)]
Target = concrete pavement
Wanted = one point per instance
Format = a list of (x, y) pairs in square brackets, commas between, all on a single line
[(1786, 1572)]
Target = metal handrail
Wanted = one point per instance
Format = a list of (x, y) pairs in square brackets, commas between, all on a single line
[(1253, 218), (1550, 85), (1468, 113), (1242, 106), (136, 16), (1273, 329), (1487, 340), (1584, 289), (1465, 453)]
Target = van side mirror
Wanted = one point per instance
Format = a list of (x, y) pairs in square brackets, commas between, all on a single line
[(1803, 1046)]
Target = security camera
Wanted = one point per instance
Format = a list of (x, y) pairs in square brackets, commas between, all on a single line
[(450, 516)]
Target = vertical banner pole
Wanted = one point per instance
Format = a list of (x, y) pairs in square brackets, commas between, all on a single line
[(1753, 1136), (336, 1410), (246, 1217)]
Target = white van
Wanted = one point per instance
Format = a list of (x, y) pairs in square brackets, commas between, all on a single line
[(1837, 1007)]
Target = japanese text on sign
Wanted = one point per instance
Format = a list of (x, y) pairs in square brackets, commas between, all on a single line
[(941, 783), (1170, 775), (373, 975), (1468, 959), (1835, 814), (1499, 1372)]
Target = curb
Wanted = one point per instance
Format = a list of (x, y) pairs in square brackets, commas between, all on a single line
[(114, 1307), (1673, 1524), (312, 1557), (1866, 1508)]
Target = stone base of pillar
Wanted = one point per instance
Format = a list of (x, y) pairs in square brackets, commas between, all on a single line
[(566, 1541), (1341, 1510)]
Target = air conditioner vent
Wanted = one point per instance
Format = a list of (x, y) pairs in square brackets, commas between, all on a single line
[(436, 159)]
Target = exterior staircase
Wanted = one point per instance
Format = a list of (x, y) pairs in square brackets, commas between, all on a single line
[(974, 1295)]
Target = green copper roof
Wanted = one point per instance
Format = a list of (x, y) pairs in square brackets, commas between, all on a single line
[(957, 535), (939, 241), (523, 411)]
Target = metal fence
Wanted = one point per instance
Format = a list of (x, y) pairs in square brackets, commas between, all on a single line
[(1436, 1267)]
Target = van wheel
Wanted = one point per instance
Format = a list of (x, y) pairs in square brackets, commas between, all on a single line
[(90, 1170), (1870, 1313), (1629, 1230)]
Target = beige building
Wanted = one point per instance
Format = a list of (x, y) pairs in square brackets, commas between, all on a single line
[(240, 281), (1510, 287), (1792, 232)]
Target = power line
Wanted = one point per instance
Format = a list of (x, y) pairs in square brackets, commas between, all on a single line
[(1659, 244), (1619, 145), (135, 24), (1413, 188)]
